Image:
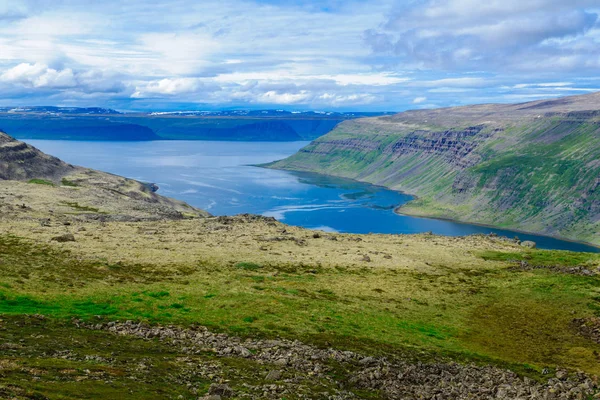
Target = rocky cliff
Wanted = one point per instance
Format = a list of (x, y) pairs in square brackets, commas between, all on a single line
[(51, 178), (531, 166)]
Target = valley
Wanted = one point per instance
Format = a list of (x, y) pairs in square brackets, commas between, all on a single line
[(529, 167), (109, 288)]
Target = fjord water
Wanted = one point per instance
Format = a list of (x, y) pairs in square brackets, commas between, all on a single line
[(219, 177)]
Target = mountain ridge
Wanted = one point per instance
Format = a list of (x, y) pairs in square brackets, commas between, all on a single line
[(529, 166), (65, 123)]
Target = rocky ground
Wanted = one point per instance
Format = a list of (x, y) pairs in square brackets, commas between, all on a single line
[(138, 360), (292, 364)]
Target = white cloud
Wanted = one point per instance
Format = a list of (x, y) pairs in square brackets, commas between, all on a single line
[(493, 34), (373, 78), (178, 53), (39, 76), (167, 87), (381, 54), (272, 97)]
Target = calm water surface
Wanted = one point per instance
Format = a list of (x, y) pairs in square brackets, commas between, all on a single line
[(217, 177)]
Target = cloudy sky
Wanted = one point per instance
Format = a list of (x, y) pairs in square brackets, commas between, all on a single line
[(322, 54)]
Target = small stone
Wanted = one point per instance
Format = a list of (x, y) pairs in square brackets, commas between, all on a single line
[(67, 237), (366, 361), (366, 258), (281, 362), (273, 375), (222, 390), (560, 374), (529, 244), (244, 352)]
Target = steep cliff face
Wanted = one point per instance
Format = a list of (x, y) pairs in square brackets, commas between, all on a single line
[(532, 166)]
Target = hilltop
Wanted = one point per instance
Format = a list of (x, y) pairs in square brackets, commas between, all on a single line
[(530, 166), (48, 182)]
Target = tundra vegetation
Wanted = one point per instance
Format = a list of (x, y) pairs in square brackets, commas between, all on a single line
[(106, 293)]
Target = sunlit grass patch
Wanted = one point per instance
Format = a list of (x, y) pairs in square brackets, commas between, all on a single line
[(41, 182), (248, 266), (543, 257), (66, 182)]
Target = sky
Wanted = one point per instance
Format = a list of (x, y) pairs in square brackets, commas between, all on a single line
[(376, 55)]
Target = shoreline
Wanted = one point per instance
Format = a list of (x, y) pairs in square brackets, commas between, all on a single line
[(561, 238), (396, 210)]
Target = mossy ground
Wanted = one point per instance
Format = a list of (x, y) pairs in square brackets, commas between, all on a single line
[(421, 296), (52, 358)]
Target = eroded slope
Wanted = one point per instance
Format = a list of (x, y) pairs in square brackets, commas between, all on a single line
[(532, 166)]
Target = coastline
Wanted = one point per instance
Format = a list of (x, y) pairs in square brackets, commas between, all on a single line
[(397, 209)]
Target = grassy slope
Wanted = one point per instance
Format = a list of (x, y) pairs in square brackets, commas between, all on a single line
[(527, 173), (444, 296)]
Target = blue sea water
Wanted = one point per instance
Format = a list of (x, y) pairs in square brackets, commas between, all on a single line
[(219, 177)]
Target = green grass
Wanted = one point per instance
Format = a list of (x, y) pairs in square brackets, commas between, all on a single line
[(490, 314), (548, 258), (66, 182), (248, 266), (41, 182), (533, 171)]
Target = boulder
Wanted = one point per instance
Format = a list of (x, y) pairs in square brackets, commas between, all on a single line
[(529, 244), (67, 237)]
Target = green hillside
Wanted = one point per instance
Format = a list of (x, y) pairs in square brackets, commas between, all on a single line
[(533, 167)]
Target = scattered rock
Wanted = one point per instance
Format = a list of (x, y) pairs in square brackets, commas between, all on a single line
[(578, 270), (392, 378), (222, 390), (365, 258), (273, 375), (588, 327), (67, 237), (529, 244)]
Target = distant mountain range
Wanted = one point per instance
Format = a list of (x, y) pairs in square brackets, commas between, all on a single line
[(70, 123), (59, 110), (533, 166)]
